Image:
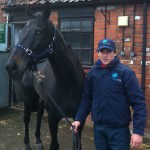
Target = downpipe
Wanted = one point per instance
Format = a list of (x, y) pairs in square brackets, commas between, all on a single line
[(144, 45)]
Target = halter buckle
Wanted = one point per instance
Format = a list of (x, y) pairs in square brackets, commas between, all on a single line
[(50, 47), (28, 51), (50, 51)]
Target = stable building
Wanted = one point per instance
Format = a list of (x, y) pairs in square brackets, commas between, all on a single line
[(84, 22)]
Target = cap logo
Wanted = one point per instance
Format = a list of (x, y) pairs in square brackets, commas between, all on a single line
[(104, 41)]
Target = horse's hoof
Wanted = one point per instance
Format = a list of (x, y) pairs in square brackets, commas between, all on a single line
[(28, 147), (54, 147), (39, 146)]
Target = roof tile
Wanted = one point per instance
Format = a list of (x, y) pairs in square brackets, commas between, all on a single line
[(21, 2)]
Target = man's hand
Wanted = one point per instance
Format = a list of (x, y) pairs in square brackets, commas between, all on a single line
[(76, 124), (136, 141)]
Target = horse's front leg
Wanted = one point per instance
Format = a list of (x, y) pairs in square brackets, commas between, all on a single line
[(40, 112), (27, 114), (53, 126)]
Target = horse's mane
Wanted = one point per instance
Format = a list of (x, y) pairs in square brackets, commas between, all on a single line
[(64, 61)]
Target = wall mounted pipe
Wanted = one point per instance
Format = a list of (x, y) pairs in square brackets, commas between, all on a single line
[(122, 53), (105, 32), (132, 54), (106, 15), (144, 45)]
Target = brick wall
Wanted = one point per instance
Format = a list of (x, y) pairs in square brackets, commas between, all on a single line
[(114, 32), (2, 17)]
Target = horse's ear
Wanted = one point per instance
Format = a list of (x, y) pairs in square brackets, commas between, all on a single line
[(28, 11), (47, 10)]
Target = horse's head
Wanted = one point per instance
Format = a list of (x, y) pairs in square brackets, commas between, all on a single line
[(35, 37)]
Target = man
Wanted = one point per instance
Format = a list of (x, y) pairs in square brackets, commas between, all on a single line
[(110, 89)]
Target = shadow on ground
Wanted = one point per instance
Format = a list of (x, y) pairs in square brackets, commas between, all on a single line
[(12, 132)]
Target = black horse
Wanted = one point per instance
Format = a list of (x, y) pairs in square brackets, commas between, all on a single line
[(56, 72)]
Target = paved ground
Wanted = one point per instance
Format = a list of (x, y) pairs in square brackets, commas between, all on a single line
[(12, 131)]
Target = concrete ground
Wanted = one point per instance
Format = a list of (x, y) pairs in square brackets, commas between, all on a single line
[(12, 132)]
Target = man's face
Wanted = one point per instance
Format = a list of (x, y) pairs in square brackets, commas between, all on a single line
[(106, 56)]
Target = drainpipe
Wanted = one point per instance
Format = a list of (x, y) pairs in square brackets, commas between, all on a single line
[(144, 45), (122, 53), (132, 53), (105, 22)]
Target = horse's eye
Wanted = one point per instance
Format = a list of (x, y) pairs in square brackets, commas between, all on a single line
[(38, 32)]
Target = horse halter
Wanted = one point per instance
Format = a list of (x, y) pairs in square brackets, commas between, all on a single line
[(43, 56)]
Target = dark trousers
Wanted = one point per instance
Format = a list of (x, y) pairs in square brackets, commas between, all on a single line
[(111, 138)]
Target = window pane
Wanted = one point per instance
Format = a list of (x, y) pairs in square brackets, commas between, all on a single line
[(86, 26), (86, 56), (78, 53), (65, 26), (73, 39), (17, 32), (86, 40), (67, 38), (75, 25), (79, 34)]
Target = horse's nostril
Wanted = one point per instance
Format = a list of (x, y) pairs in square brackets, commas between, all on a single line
[(11, 67)]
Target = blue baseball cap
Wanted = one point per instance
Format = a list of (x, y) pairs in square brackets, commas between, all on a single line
[(107, 44)]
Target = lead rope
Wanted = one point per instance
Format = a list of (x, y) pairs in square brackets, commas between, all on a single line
[(75, 136), (75, 140)]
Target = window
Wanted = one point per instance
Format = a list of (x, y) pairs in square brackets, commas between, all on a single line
[(16, 28), (3, 36), (79, 34)]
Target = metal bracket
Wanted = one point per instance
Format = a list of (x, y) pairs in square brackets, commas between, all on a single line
[(106, 14)]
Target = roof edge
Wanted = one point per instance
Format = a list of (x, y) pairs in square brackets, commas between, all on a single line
[(59, 5)]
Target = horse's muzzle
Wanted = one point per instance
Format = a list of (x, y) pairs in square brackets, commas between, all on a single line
[(11, 68)]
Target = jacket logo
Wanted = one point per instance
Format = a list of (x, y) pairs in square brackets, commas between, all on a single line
[(115, 76)]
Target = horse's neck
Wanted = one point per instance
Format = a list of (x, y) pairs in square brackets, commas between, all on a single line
[(61, 50), (63, 62), (63, 53)]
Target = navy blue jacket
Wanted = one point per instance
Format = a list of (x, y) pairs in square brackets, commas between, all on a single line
[(108, 94)]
